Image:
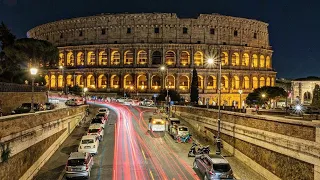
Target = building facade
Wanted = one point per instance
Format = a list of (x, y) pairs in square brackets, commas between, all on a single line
[(123, 52), (302, 89)]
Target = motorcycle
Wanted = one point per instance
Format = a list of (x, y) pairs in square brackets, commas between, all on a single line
[(201, 150)]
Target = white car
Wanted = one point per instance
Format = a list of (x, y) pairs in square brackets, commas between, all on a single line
[(122, 99), (96, 130), (158, 124), (74, 102), (99, 121), (104, 110), (79, 165), (128, 102), (146, 103), (89, 144)]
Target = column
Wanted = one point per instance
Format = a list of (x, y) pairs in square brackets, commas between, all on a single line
[(230, 83), (96, 76), (85, 57), (57, 77), (97, 57), (49, 87), (177, 76), (178, 58), (65, 58), (205, 83), (229, 58), (163, 56), (108, 50), (192, 58), (150, 58), (149, 81), (75, 57), (108, 81), (121, 57), (135, 57), (259, 64)]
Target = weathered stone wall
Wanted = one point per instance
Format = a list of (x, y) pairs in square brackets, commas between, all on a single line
[(11, 100), (277, 148)]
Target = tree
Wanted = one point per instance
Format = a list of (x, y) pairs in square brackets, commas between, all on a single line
[(173, 94), (6, 39), (270, 93), (194, 92), (77, 90), (316, 96)]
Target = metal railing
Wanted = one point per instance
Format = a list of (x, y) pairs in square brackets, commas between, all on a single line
[(11, 87)]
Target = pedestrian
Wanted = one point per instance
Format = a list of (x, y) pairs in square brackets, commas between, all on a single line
[(149, 124)]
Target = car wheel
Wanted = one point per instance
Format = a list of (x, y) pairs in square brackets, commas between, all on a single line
[(195, 166)]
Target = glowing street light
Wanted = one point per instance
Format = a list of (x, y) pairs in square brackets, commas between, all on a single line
[(240, 92), (263, 95), (33, 72), (163, 68)]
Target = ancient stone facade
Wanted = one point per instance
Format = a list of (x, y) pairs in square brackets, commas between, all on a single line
[(123, 52), (303, 90)]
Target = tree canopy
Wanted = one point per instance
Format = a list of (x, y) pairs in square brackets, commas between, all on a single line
[(173, 94), (316, 96), (256, 97), (194, 92)]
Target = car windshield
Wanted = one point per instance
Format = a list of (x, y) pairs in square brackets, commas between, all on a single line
[(183, 129), (96, 120), (93, 130), (221, 167), (100, 114), (102, 110), (87, 141), (76, 162)]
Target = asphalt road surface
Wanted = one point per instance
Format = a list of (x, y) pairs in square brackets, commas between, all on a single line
[(129, 151)]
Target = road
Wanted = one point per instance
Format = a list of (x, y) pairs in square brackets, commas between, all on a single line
[(129, 151)]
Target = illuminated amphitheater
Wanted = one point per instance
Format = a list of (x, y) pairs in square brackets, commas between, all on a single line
[(110, 53)]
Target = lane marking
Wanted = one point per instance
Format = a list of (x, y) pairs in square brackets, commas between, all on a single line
[(151, 174), (144, 156)]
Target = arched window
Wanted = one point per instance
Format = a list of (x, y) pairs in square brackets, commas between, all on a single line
[(235, 82), (246, 82), (156, 58), (245, 59), (262, 82), (142, 82), (200, 82), (53, 81), (224, 58), (61, 59), (80, 59), (268, 62), (70, 59), (224, 83), (212, 82), (114, 81), (128, 57), (142, 57), (79, 80), (184, 58), (268, 83), (307, 97), (103, 58), (115, 58), (60, 81), (156, 82), (90, 81), (254, 60), (272, 82), (235, 59), (46, 77), (69, 80), (171, 82), (198, 58), (102, 81), (184, 82), (128, 81), (170, 58), (255, 83), (91, 59), (262, 61)]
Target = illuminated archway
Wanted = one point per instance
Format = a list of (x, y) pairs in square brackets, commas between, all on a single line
[(91, 81), (80, 58), (245, 59), (268, 62), (170, 58), (142, 82), (224, 82), (91, 58), (235, 59), (142, 57), (268, 82), (156, 57), (246, 82), (198, 58), (53, 81), (155, 82), (115, 58), (255, 83), (70, 59), (184, 82), (60, 81), (262, 61), (262, 82), (171, 82), (212, 82), (200, 82), (128, 81), (46, 77), (102, 81), (272, 82), (115, 81), (61, 59), (254, 60), (79, 81), (184, 58), (69, 79), (235, 82), (224, 58), (103, 58), (128, 57)]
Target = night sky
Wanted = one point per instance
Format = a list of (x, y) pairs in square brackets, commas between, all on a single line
[(294, 26)]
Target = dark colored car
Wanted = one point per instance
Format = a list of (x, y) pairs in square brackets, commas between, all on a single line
[(102, 115), (49, 106), (213, 166), (25, 108)]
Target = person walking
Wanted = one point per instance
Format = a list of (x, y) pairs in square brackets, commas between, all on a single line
[(149, 124)]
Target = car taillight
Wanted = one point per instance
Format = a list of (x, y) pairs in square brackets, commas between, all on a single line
[(211, 172)]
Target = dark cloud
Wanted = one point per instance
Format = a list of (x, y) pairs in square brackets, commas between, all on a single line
[(10, 2)]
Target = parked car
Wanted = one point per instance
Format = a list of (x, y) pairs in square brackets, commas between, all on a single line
[(49, 106), (74, 102), (96, 130), (26, 108), (100, 121), (104, 110), (146, 102), (213, 166), (79, 164), (131, 102), (178, 130), (158, 124), (102, 115), (171, 121), (122, 99), (89, 144)]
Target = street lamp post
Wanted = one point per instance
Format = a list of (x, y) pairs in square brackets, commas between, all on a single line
[(218, 140), (84, 94), (33, 72), (163, 68), (240, 92)]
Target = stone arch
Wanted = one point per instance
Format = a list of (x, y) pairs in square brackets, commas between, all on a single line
[(53, 81), (115, 58), (307, 97), (245, 59), (272, 82), (80, 58), (60, 81), (79, 81), (102, 81), (224, 82), (61, 59), (91, 81), (91, 58), (268, 62), (156, 58), (268, 81), (155, 82), (114, 81), (103, 58), (224, 58), (235, 82), (185, 58), (142, 57), (262, 82), (170, 58), (128, 57), (184, 82), (46, 77), (235, 59), (142, 81), (171, 81), (254, 60), (198, 58), (70, 59), (212, 82), (246, 82), (69, 80), (200, 82), (255, 83), (262, 61), (128, 81)]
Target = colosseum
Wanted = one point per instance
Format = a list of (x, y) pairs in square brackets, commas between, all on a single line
[(110, 53)]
